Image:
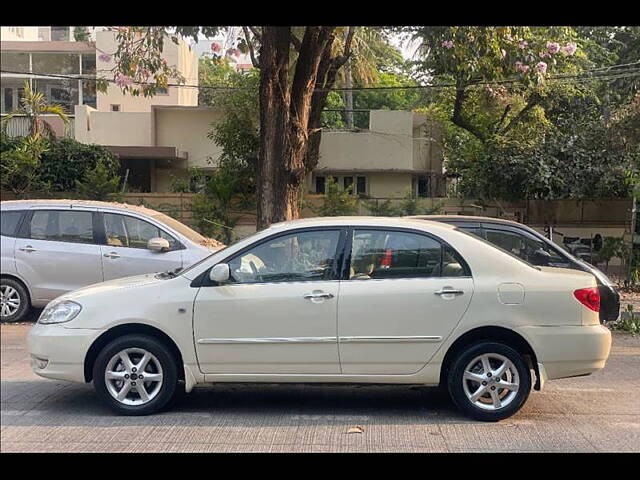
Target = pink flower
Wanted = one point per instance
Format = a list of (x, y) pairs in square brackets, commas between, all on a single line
[(553, 47), (569, 49), (216, 47), (523, 44), (541, 67), (123, 80), (545, 55), (447, 44), (103, 57), (521, 67)]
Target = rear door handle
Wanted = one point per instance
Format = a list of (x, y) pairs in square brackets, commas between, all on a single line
[(112, 255), (317, 295), (448, 292), (28, 248)]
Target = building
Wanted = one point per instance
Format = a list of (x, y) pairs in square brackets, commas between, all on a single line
[(400, 152), (41, 55)]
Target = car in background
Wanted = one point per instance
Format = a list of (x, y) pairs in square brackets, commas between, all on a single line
[(534, 248), (50, 247)]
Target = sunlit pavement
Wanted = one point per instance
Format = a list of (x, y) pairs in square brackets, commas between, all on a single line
[(588, 414)]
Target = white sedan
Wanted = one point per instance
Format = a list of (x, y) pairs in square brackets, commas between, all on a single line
[(351, 300)]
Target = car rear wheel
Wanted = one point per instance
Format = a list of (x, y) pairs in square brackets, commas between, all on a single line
[(14, 300), (135, 375), (489, 381)]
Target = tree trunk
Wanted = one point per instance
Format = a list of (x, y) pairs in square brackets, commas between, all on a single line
[(285, 118), (274, 118)]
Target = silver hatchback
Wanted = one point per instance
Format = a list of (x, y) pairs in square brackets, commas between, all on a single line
[(50, 247)]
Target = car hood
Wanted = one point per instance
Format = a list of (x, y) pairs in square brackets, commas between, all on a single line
[(116, 284)]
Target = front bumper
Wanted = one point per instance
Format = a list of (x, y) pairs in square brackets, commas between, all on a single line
[(58, 352), (569, 351)]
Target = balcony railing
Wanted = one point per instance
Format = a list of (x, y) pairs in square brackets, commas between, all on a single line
[(19, 127)]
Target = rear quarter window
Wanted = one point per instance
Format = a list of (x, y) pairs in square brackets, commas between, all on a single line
[(9, 222)]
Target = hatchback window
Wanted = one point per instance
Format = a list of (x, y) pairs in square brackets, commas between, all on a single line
[(126, 231), (394, 254), (301, 256), (9, 221), (62, 226)]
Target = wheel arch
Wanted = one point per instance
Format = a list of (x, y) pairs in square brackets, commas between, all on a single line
[(491, 334), (126, 329)]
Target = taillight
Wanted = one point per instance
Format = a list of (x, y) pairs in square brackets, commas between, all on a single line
[(589, 297)]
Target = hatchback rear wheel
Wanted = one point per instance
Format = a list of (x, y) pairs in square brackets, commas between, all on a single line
[(489, 381)]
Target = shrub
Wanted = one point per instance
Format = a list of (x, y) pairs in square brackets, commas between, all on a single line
[(336, 202), (99, 184), (20, 165)]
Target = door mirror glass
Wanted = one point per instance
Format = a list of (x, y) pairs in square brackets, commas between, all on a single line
[(158, 244), (219, 273)]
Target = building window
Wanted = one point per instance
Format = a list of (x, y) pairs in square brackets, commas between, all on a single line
[(58, 63), (115, 108), (361, 185), (348, 182), (60, 34), (162, 91), (423, 186), (320, 181), (15, 62)]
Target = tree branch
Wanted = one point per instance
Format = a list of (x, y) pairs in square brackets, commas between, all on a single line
[(534, 99), (256, 33), (458, 118), (252, 53)]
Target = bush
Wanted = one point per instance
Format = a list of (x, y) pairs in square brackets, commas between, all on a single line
[(336, 202), (67, 161), (20, 165), (99, 184)]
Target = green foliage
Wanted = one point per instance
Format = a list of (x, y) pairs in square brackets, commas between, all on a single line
[(237, 132), (336, 202), (99, 183), (20, 165), (193, 181), (611, 247), (212, 207), (66, 161), (629, 321), (409, 205), (381, 209), (81, 34)]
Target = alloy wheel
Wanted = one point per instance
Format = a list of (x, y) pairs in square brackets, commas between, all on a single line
[(133, 376), (491, 381), (9, 301)]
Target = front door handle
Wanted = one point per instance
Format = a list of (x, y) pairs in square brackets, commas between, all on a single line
[(448, 291), (317, 295), (28, 248), (112, 255)]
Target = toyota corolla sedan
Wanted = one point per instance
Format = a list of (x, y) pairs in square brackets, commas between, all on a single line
[(50, 247), (350, 300)]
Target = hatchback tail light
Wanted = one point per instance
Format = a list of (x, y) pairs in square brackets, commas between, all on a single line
[(589, 297)]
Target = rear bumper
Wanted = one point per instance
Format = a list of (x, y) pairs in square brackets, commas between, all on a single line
[(58, 352), (569, 351)]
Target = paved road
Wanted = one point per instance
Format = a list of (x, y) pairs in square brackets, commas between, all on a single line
[(589, 414)]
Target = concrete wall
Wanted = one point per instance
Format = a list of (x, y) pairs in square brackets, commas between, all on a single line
[(178, 56), (187, 130), (110, 128), (19, 34)]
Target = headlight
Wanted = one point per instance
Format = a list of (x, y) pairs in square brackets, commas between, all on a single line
[(60, 312)]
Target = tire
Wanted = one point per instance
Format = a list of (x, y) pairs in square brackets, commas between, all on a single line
[(12, 291), (486, 408), (159, 391)]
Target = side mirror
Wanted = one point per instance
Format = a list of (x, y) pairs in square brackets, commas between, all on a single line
[(541, 257), (158, 244), (219, 273)]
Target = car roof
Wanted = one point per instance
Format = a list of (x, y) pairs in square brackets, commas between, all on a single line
[(468, 218), (358, 220), (21, 204)]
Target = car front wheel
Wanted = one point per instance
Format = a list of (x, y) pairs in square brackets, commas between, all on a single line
[(135, 375), (489, 381)]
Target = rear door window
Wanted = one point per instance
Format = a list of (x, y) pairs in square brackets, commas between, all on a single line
[(62, 226), (378, 254), (126, 231), (524, 246), (9, 222)]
